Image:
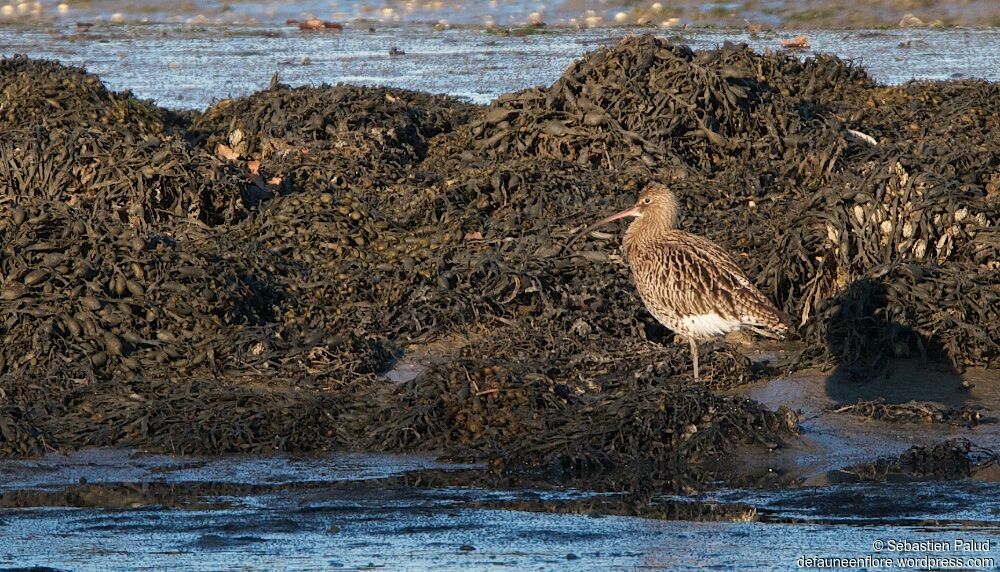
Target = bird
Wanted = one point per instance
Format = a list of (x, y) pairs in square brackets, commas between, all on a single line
[(688, 283)]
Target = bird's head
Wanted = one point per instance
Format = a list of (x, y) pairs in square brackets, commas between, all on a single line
[(657, 202), (656, 205)]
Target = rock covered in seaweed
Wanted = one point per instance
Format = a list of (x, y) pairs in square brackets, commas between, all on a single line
[(296, 238), (68, 139)]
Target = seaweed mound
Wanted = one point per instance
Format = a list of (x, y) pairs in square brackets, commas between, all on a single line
[(237, 280), (68, 139), (562, 410), (281, 117), (949, 460), (40, 93), (664, 109), (856, 219), (319, 138), (914, 412)]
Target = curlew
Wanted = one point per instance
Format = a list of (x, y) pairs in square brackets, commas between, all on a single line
[(688, 283)]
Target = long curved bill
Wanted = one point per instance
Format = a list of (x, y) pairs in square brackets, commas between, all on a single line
[(634, 211)]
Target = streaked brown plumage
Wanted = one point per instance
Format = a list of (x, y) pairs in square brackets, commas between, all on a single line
[(688, 283)]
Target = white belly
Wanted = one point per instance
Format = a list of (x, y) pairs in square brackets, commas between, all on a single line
[(707, 325)]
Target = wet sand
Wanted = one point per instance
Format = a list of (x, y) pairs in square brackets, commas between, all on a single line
[(832, 441)]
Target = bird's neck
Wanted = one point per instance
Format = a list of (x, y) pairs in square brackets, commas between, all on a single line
[(647, 229)]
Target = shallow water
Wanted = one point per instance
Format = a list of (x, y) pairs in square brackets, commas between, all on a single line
[(302, 514), (183, 66)]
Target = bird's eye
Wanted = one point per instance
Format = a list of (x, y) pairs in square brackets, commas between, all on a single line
[(647, 200)]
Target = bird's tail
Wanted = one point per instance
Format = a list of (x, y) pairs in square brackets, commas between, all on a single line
[(773, 333), (772, 323)]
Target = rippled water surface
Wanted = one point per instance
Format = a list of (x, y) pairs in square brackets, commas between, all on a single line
[(186, 66), (191, 513)]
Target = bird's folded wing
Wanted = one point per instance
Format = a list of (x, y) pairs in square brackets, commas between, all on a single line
[(701, 278)]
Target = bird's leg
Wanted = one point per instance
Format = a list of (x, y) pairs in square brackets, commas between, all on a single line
[(694, 355)]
